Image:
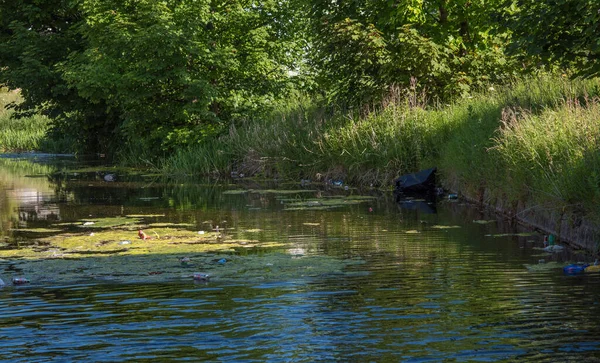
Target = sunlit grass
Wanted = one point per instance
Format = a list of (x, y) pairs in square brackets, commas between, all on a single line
[(25, 134), (534, 140)]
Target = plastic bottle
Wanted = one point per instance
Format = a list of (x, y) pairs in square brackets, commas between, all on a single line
[(201, 276), (19, 281)]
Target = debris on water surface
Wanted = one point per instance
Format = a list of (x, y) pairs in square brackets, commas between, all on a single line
[(593, 268), (127, 242), (89, 223), (110, 177), (143, 235), (201, 276), (554, 248), (19, 281), (574, 269)]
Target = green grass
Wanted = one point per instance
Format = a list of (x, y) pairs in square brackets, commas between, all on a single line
[(24, 134), (28, 133), (533, 141)]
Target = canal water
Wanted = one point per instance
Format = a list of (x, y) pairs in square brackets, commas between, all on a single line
[(298, 273)]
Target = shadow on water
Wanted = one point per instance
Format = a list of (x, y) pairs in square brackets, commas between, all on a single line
[(303, 274)]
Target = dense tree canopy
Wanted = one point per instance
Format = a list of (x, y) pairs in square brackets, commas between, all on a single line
[(565, 33), (361, 48), (155, 75), (149, 73)]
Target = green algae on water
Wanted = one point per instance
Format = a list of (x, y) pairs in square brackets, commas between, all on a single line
[(544, 267), (124, 241), (326, 203), (267, 191), (444, 227), (523, 234), (168, 267), (110, 222)]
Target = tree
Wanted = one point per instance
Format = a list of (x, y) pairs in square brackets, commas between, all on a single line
[(565, 33), (361, 48), (145, 74)]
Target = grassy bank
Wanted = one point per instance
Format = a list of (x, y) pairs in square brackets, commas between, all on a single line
[(25, 134), (534, 141)]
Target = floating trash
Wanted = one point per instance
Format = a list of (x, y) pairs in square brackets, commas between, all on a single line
[(201, 276), (125, 242), (452, 196), (185, 260), (574, 269), (19, 281), (554, 248), (201, 232), (222, 261), (593, 268), (89, 223)]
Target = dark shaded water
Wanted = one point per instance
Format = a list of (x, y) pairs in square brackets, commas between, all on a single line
[(422, 292)]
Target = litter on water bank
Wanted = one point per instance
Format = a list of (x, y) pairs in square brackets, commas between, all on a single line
[(19, 281), (592, 268), (554, 248), (201, 276), (574, 269)]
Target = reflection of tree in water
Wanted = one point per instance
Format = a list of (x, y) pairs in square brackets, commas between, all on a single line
[(6, 209), (26, 195)]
